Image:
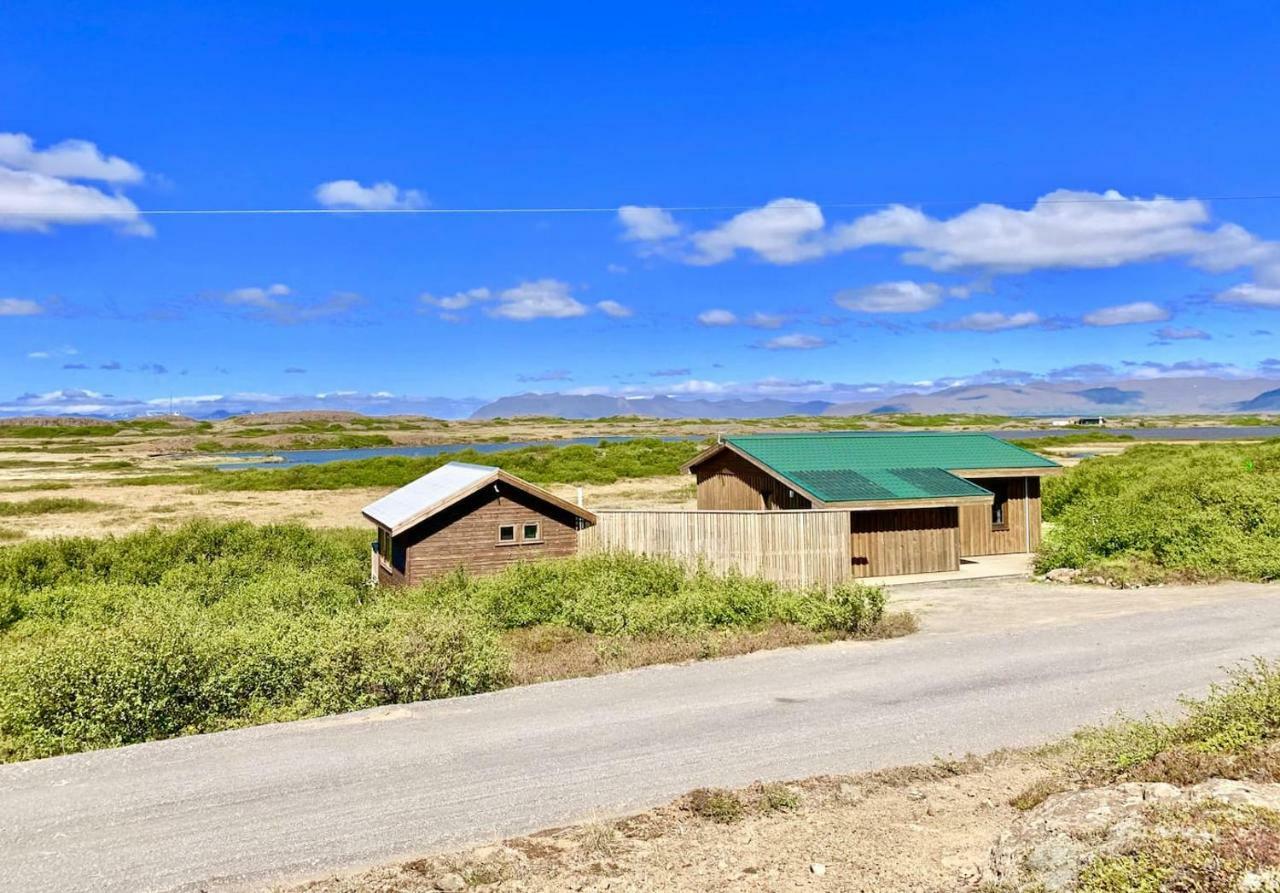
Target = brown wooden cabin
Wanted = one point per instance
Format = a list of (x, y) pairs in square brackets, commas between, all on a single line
[(473, 517), (917, 502)]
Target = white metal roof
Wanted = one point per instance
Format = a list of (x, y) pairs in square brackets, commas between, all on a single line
[(433, 488)]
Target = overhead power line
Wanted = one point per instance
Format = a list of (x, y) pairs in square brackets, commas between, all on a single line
[(611, 209)]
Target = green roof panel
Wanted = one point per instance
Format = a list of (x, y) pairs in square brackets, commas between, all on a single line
[(840, 485), (858, 466)]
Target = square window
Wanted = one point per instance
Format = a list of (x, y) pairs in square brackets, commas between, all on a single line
[(531, 532), (506, 533)]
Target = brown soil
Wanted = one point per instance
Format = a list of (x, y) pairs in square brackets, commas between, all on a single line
[(925, 829)]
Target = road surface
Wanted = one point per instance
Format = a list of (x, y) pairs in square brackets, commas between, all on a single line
[(248, 808)]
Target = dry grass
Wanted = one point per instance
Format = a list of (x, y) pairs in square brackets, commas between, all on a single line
[(869, 834), (546, 653)]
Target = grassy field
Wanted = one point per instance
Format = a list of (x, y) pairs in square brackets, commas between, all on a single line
[(1168, 512), (105, 642), (605, 463)]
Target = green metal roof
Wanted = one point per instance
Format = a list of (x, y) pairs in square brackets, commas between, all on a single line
[(842, 485), (856, 466)]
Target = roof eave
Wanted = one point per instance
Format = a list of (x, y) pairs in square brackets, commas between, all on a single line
[(499, 476), (767, 469)]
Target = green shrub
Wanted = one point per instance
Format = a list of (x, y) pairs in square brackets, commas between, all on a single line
[(1169, 511), (48, 505), (216, 625), (1240, 717), (604, 463), (716, 804)]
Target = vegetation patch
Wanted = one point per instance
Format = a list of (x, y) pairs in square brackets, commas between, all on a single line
[(1168, 512), (1233, 732), (49, 505), (716, 805), (604, 463), (210, 626)]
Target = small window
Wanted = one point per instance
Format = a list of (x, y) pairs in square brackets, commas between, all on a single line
[(506, 533), (532, 532), (1000, 505)]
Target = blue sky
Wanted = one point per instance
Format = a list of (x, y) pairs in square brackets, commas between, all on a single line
[(882, 195)]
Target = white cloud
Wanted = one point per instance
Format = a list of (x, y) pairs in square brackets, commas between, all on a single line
[(65, 351), (1127, 314), (1172, 333), (1064, 229), (891, 297), (67, 160), (536, 299), (35, 202), (614, 309), (271, 303), (784, 231), (646, 224), (991, 321), (795, 341), (19, 307), (760, 320), (718, 317), (540, 299), (1250, 294), (457, 301), (382, 196)]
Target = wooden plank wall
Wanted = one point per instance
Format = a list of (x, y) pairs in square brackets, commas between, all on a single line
[(905, 541), (729, 482), (796, 548), (976, 534), (466, 535)]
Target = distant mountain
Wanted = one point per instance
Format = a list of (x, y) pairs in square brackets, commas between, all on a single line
[(1267, 401), (595, 406), (1158, 396)]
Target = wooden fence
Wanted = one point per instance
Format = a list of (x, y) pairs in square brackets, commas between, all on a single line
[(796, 548)]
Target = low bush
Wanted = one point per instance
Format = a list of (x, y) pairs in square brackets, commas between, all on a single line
[(215, 625), (48, 505), (1162, 511), (1232, 732), (716, 804), (605, 463)]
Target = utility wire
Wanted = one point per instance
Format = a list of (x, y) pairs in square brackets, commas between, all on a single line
[(240, 212)]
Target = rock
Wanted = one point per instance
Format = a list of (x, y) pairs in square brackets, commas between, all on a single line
[(450, 883), (850, 791), (1238, 793), (818, 868), (1063, 575), (915, 794), (1048, 845)]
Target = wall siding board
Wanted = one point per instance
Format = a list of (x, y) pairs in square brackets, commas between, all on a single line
[(466, 535), (904, 541), (728, 482), (795, 548), (976, 534)]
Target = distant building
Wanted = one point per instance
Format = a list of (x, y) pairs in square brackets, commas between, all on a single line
[(1091, 421), (475, 517), (917, 502), (802, 509)]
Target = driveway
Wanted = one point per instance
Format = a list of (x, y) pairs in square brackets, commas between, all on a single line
[(255, 806)]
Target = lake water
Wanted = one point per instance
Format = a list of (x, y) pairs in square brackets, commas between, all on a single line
[(320, 457)]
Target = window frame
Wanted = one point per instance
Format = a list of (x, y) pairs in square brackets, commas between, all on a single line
[(525, 539), (508, 525), (1000, 506)]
